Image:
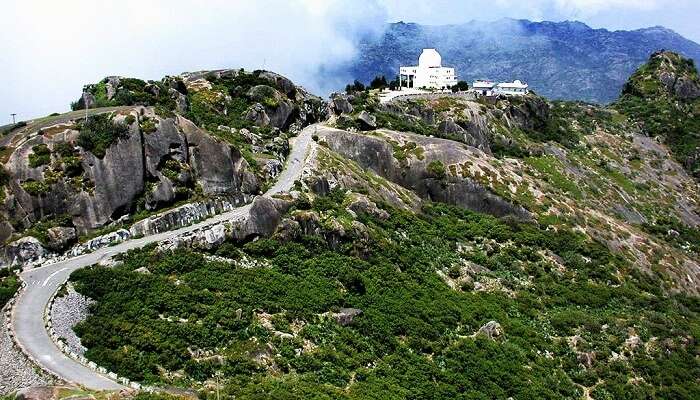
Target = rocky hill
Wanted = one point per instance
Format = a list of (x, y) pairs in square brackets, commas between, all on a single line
[(566, 60), (604, 171), (664, 96), (439, 246), (147, 146)]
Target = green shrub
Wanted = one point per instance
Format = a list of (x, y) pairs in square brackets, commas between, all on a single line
[(36, 188), (8, 286), (437, 169), (98, 133), (41, 155)]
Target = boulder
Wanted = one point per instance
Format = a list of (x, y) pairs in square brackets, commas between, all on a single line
[(111, 86), (362, 205), (686, 89), (377, 154), (340, 104), (491, 330), (283, 84), (60, 237), (271, 104), (288, 230), (25, 250), (345, 316), (262, 220), (162, 194), (165, 143), (257, 115), (180, 100), (367, 121)]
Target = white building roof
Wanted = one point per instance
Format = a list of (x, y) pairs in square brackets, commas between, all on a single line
[(513, 85), (430, 58), (483, 84)]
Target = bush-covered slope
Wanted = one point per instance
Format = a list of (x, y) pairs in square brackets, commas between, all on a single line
[(404, 313), (564, 266)]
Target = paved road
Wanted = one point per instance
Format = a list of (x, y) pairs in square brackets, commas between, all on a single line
[(43, 282)]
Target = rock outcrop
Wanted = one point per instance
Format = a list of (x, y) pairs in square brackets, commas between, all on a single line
[(157, 159), (378, 154)]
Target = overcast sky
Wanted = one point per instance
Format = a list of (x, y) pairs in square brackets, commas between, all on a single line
[(50, 48)]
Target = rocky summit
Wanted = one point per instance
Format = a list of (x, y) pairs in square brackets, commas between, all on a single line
[(434, 246)]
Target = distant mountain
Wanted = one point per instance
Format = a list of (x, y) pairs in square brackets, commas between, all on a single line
[(563, 60)]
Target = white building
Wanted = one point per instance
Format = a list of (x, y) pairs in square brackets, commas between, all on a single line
[(428, 74), (489, 88)]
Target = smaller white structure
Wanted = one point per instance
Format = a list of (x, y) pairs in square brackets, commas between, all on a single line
[(428, 74), (489, 88)]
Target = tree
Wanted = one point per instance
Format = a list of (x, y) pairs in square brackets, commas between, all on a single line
[(460, 87), (356, 86), (395, 84), (379, 82)]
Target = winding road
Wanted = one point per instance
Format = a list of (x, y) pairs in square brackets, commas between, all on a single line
[(28, 312)]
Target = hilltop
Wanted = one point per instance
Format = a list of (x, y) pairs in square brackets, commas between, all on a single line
[(436, 247), (664, 96), (560, 60)]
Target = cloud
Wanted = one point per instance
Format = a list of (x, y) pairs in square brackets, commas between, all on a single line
[(49, 49), (575, 8)]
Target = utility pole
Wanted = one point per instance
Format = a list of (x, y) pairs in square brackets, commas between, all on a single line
[(13, 118)]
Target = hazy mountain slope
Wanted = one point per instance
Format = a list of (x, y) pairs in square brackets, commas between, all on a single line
[(567, 60)]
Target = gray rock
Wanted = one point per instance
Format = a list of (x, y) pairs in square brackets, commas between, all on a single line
[(340, 104), (345, 316), (180, 100), (60, 237), (111, 86), (265, 214), (361, 204), (162, 194), (271, 104), (218, 167), (257, 115), (288, 230), (25, 250), (367, 121), (377, 154), (88, 100), (492, 330)]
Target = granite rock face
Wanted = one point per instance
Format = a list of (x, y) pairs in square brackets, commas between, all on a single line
[(25, 250), (160, 165), (377, 154)]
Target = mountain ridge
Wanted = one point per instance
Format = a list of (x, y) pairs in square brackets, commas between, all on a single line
[(566, 60)]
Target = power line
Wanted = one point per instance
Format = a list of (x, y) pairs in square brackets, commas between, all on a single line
[(13, 118)]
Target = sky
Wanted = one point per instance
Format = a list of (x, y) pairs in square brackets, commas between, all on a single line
[(49, 49)]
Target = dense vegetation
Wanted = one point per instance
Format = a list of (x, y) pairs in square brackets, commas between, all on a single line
[(571, 312), (8, 285)]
